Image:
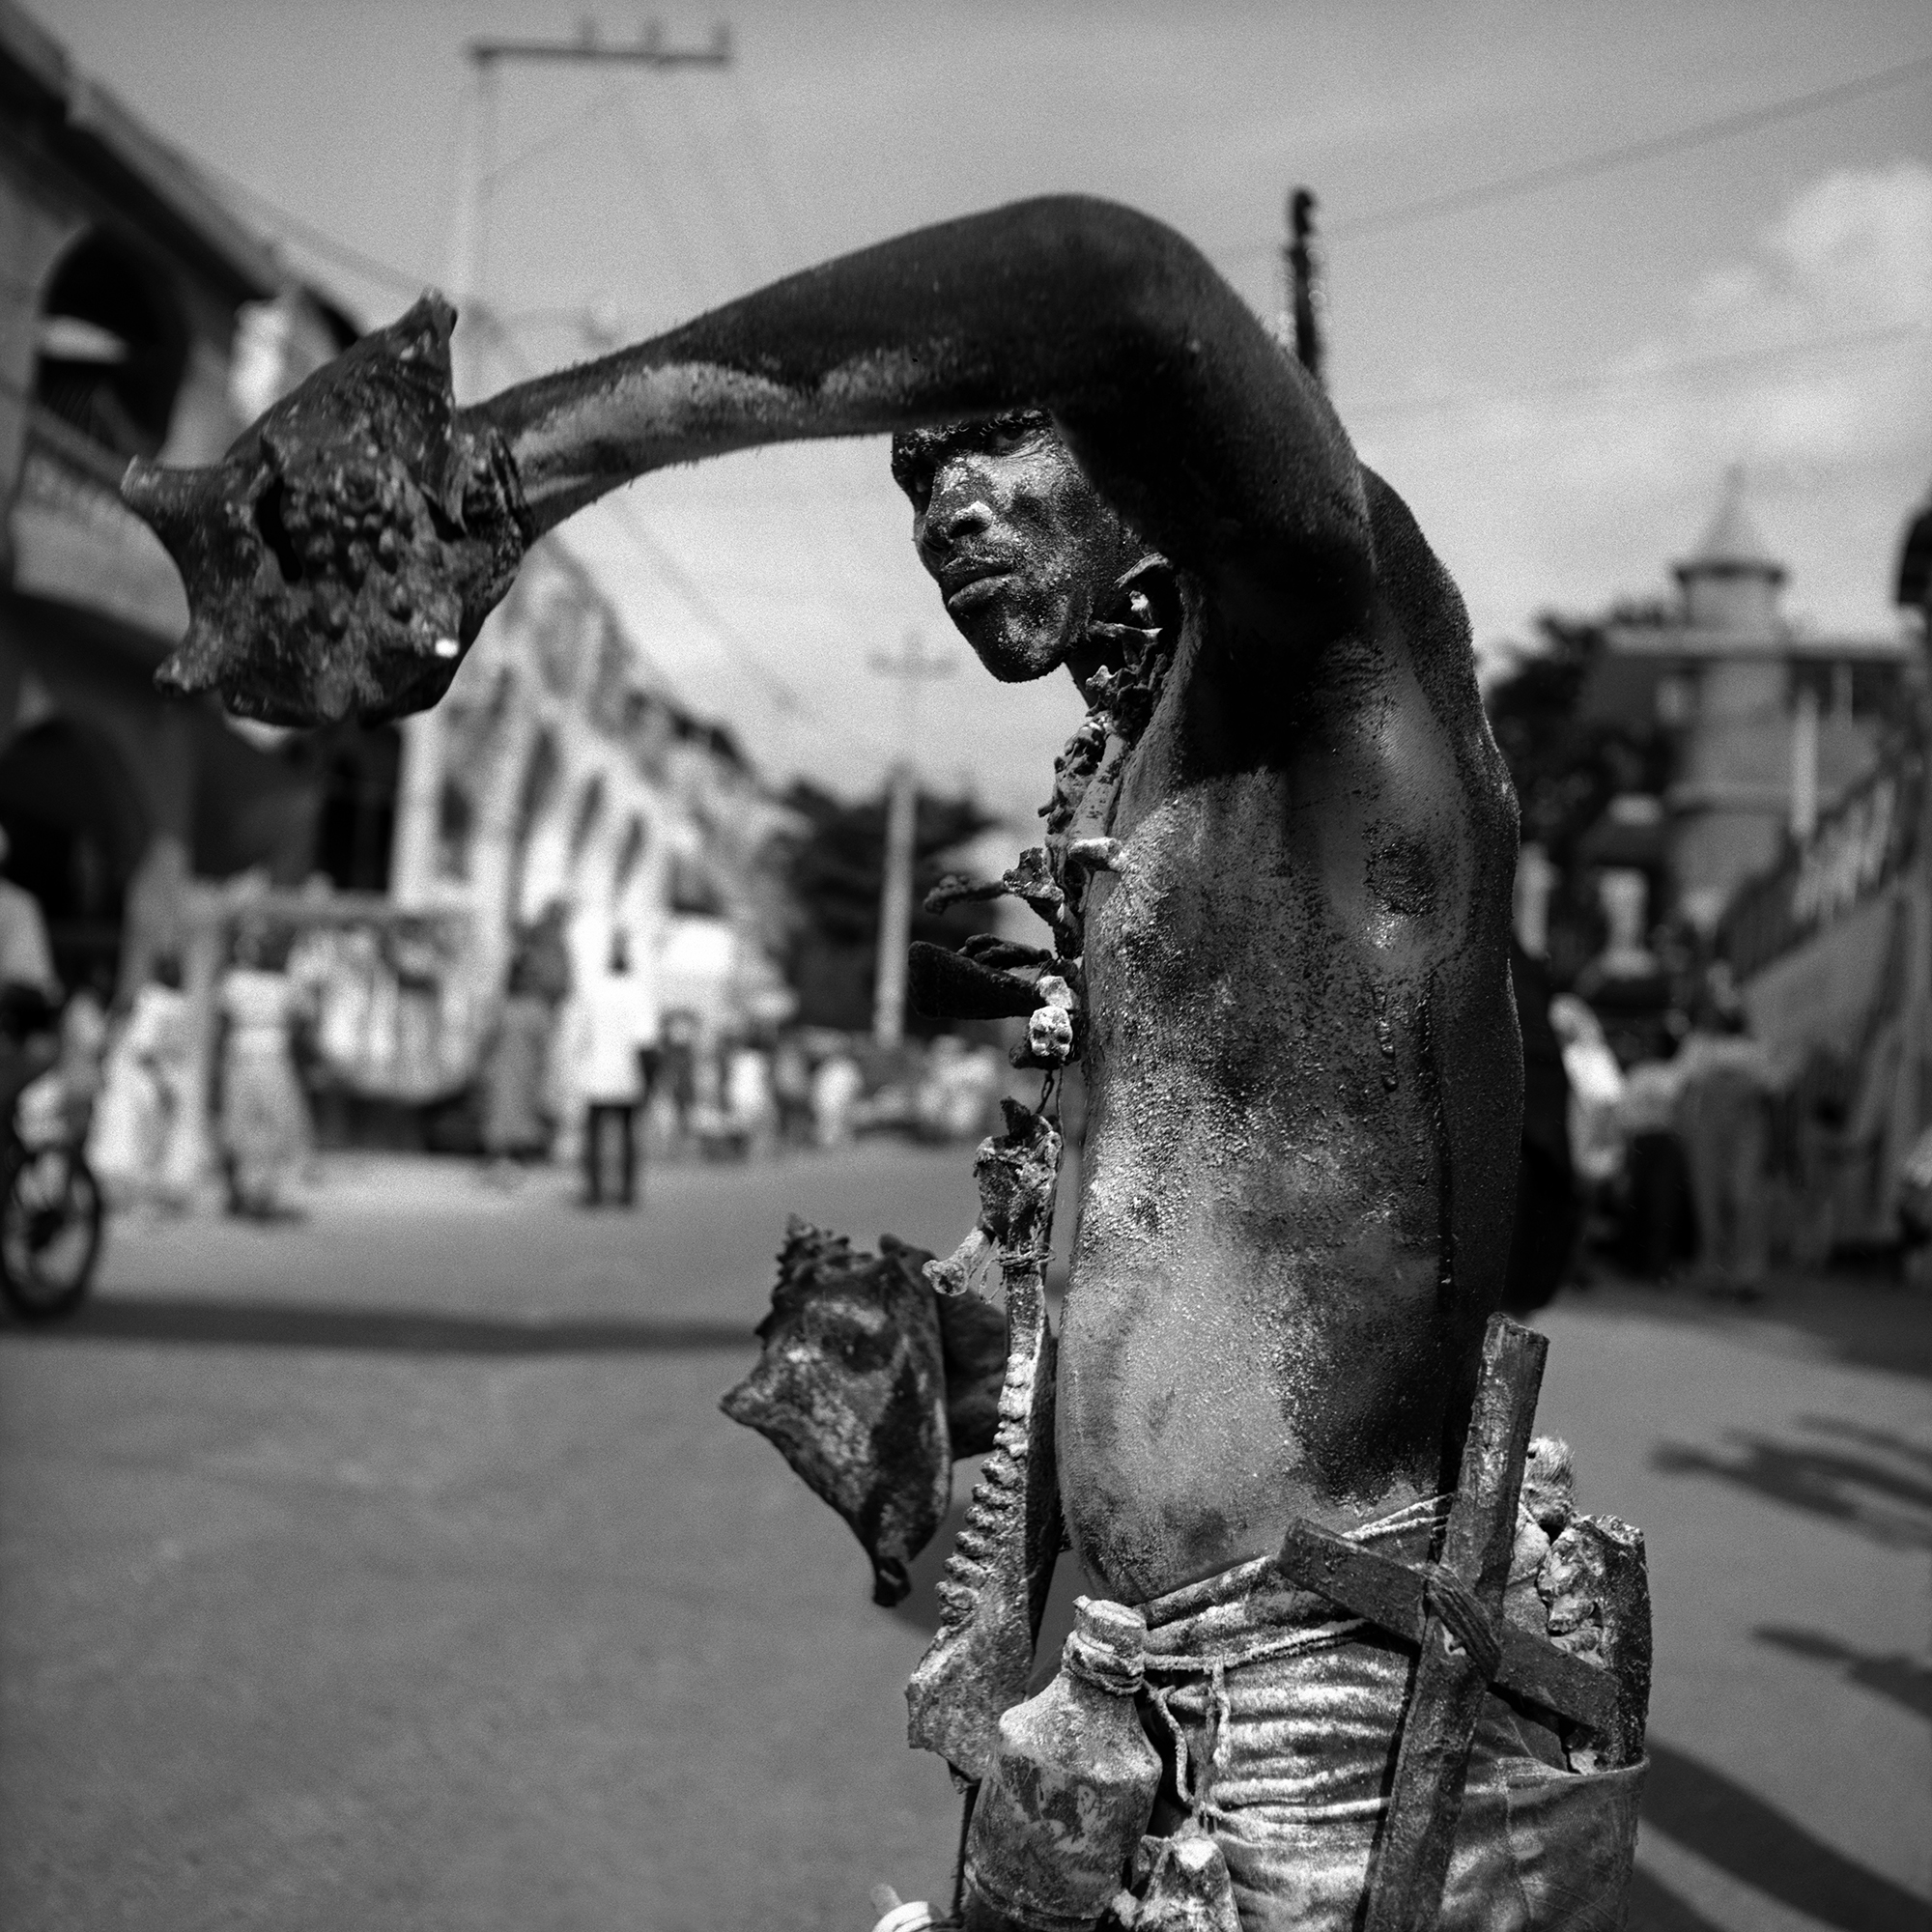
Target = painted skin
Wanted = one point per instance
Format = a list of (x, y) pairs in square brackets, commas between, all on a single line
[(1291, 981), (1304, 1069)]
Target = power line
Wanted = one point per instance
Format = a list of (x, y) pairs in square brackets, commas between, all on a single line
[(557, 137), (343, 253), (1629, 153), (1688, 366), (707, 166), (783, 696), (670, 230), (757, 148)]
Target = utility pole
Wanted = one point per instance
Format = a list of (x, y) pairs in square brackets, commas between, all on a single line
[(1304, 281), (420, 782), (912, 667)]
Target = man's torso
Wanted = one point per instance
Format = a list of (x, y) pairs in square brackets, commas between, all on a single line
[(1304, 1081)]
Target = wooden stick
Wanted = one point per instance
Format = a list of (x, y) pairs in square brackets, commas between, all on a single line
[(1412, 1858), (1390, 1595)]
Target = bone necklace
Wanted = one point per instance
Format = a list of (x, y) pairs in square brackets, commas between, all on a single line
[(995, 1584)]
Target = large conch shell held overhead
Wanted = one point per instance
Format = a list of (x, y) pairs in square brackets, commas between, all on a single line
[(343, 555)]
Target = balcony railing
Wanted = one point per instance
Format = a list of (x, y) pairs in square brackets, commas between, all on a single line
[(74, 542)]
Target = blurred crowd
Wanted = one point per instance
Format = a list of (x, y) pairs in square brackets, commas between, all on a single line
[(1662, 1137), (597, 1073), (1657, 1133), (157, 1091)]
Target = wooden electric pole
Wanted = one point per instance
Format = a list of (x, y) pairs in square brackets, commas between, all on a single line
[(420, 783), (1304, 281), (911, 667)]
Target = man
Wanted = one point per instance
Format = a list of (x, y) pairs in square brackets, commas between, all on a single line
[(616, 1027), (26, 956), (1301, 1048), (1303, 1052), (29, 991)]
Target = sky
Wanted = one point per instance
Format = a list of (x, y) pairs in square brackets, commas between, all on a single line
[(1555, 381)]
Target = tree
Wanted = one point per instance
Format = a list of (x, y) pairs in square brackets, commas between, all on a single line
[(835, 867), (1572, 747)]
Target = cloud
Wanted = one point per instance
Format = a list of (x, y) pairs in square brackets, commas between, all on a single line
[(1807, 357)]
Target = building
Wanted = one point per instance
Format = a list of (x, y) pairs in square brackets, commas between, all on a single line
[(1770, 724), (558, 773), (1832, 953), (138, 317)]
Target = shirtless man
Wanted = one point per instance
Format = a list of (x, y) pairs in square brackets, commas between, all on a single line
[(1304, 1068), (1302, 1056)]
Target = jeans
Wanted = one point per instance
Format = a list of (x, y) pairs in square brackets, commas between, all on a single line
[(1288, 1715)]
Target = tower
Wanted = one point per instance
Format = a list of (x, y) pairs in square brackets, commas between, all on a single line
[(1734, 793)]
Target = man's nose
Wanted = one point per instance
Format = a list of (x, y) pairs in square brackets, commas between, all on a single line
[(957, 510)]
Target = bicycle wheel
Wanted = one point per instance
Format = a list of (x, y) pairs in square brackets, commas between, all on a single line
[(50, 1231)]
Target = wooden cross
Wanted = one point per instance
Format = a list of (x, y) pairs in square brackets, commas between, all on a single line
[(1453, 1611)]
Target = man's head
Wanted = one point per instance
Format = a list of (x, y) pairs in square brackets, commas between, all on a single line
[(1020, 543)]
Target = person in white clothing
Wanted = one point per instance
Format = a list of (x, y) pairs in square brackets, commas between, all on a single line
[(617, 1034)]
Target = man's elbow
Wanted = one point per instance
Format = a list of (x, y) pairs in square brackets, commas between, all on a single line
[(1122, 261)]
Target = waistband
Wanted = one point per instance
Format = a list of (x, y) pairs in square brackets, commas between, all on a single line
[(1251, 1612)]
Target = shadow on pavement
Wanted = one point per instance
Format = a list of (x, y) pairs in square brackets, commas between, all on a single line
[(408, 1331), (1737, 1830), (1861, 1321), (1904, 1679), (1654, 1909), (1862, 1494)]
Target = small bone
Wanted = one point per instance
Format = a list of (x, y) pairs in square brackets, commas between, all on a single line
[(1095, 855), (966, 1263), (1049, 1039), (1052, 990)]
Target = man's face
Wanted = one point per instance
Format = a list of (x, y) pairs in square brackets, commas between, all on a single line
[(1017, 539)]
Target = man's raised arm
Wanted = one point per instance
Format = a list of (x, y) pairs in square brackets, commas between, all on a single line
[(1178, 403), (343, 554)]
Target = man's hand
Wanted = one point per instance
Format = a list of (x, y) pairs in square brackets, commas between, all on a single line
[(343, 555)]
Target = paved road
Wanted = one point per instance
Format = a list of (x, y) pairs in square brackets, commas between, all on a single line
[(398, 1571)]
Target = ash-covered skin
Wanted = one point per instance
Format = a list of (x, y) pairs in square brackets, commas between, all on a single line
[(1300, 1037), (343, 555), (1300, 1049), (868, 1394)]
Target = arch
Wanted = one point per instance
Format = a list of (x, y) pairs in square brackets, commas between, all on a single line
[(76, 827), (584, 824), (455, 827), (630, 853), (537, 795), (112, 347)]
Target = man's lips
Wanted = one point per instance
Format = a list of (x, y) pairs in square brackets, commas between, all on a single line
[(970, 581)]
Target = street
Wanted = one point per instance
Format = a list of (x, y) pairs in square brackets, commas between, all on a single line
[(397, 1570)]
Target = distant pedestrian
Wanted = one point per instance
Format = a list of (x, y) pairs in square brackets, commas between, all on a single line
[(135, 1145), (836, 1083), (615, 1028), (751, 1109), (264, 1132), (26, 958), (678, 1072), (516, 1076), (1657, 1234), (791, 1091), (1724, 1089)]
